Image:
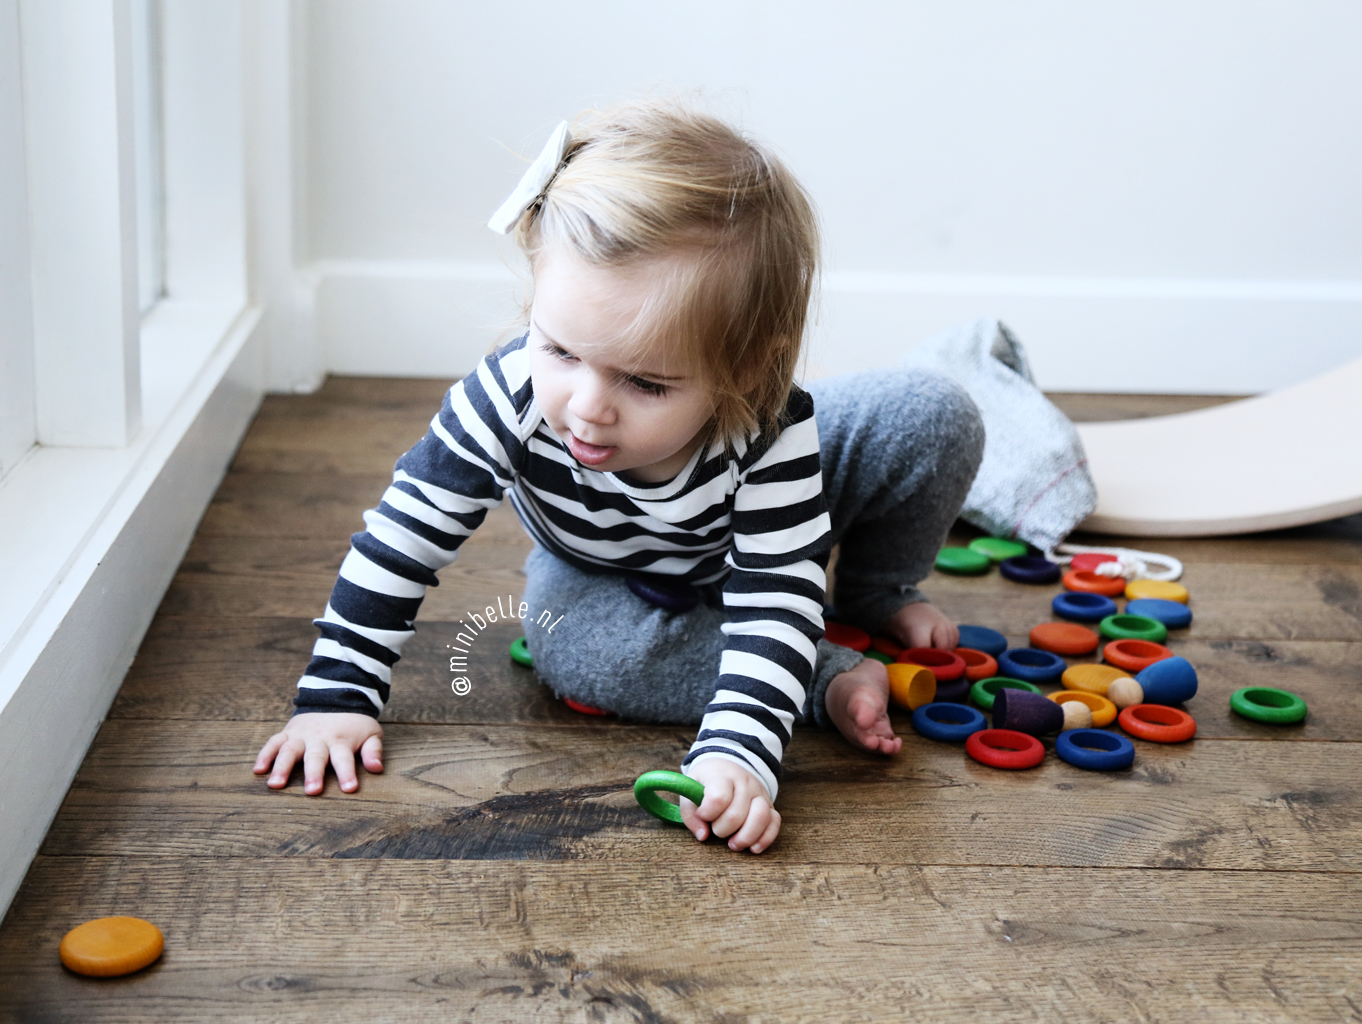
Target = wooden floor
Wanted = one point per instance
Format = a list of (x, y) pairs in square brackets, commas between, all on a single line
[(500, 869)]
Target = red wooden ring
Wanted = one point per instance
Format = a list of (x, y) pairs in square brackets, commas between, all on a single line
[(947, 666), (1091, 583), (1157, 723), (1005, 748), (585, 709), (1064, 638), (978, 665), (1134, 655), (1089, 562), (885, 646), (846, 636)]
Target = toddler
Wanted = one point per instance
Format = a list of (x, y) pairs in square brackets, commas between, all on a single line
[(682, 495)]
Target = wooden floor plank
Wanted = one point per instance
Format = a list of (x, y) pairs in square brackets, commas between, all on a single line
[(499, 792), (289, 577), (244, 668), (755, 941)]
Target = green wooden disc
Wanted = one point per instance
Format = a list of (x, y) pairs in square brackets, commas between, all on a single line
[(1133, 627), (520, 654), (985, 690), (645, 792), (998, 548), (1266, 704), (879, 656), (962, 561)]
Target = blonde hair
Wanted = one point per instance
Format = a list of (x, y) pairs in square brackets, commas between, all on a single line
[(649, 179)]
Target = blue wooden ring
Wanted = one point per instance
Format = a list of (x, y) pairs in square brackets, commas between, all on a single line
[(1114, 750), (1083, 607), (674, 597), (1029, 569), (1031, 665), (947, 723), (981, 638), (1173, 614)]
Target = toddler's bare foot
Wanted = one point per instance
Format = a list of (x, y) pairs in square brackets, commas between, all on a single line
[(858, 704)]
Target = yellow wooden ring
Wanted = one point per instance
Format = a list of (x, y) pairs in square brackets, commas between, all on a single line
[(911, 686), (1091, 678), (1161, 589), (110, 946), (1103, 710)]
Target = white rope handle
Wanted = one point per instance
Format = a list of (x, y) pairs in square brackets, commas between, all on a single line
[(1132, 564)]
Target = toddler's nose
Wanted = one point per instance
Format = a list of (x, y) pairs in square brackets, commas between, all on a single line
[(592, 402)]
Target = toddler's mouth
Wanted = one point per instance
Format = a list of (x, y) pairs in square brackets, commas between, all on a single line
[(589, 454)]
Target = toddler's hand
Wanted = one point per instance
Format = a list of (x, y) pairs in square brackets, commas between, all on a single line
[(921, 625), (736, 805), (317, 737)]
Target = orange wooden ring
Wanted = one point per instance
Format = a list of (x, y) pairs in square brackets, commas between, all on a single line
[(1064, 638), (911, 686), (110, 946), (1134, 655), (1158, 723), (1103, 710), (846, 636), (885, 646), (1092, 583), (978, 665)]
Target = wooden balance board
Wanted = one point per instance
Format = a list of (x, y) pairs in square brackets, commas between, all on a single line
[(1282, 459)]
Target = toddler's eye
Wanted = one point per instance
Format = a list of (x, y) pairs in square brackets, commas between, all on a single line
[(558, 353), (648, 387)]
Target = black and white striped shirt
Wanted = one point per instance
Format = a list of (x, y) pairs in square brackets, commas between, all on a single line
[(755, 516)]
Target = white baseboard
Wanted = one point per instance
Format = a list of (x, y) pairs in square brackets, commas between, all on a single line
[(435, 319), (63, 665)]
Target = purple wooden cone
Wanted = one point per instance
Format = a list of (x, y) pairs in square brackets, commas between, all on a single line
[(1026, 712)]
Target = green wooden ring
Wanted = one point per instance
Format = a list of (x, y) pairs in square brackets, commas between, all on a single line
[(998, 548), (985, 690), (645, 792), (1133, 627), (962, 561), (520, 654), (880, 656), (1264, 704)]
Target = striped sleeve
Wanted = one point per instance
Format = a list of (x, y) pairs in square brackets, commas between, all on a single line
[(442, 490), (774, 602)]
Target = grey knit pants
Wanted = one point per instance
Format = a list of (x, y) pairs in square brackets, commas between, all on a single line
[(899, 450)]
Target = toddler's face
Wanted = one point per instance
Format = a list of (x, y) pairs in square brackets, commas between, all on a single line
[(616, 410)]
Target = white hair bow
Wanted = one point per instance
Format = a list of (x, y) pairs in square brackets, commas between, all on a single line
[(534, 182)]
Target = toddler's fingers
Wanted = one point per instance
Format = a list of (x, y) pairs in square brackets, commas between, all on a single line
[(284, 761), (314, 767), (769, 836), (718, 798), (698, 826), (754, 827), (732, 819), (267, 752), (372, 754), (343, 760), (946, 635)]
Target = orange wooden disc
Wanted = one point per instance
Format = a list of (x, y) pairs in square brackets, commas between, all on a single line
[(1092, 583), (911, 686), (110, 946), (1103, 710), (1134, 655), (978, 665), (1091, 678), (1064, 638)]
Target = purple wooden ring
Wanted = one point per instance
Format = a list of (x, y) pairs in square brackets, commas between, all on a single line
[(674, 597)]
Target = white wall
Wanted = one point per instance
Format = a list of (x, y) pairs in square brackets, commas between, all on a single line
[(1157, 196)]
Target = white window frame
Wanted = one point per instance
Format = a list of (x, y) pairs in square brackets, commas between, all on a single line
[(116, 428)]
